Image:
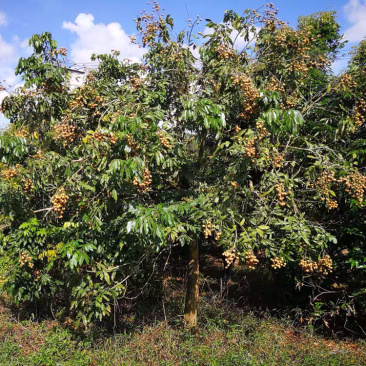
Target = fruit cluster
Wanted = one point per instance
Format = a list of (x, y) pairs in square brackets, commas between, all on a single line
[(281, 194), (36, 275), (278, 262), (274, 85), (65, 131), (250, 260), (22, 132), (262, 130), (250, 148), (225, 52), (143, 186), (111, 137), (298, 66), (62, 51), (346, 82), (323, 182), (131, 142), (230, 257), (325, 264), (237, 129), (308, 266), (250, 94), (27, 184), (355, 185), (277, 160), (360, 111), (90, 76), (25, 259), (163, 140), (9, 173), (218, 235), (331, 204), (291, 101), (135, 81), (59, 201), (207, 228), (149, 25)]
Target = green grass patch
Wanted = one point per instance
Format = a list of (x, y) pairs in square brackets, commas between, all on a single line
[(245, 340)]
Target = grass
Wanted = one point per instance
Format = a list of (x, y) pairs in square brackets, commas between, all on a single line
[(242, 340)]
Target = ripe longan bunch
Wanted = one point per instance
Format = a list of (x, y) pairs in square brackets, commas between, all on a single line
[(331, 204), (163, 140), (355, 185), (225, 52), (65, 131), (131, 142), (274, 85), (323, 181), (59, 201), (218, 235), (263, 132), (346, 82), (291, 101), (150, 26), (143, 186), (22, 132), (25, 259), (104, 137), (325, 264), (249, 148), (27, 184), (79, 101), (281, 194), (136, 81), (278, 160), (298, 66), (237, 129), (360, 112), (230, 257), (62, 51), (207, 228), (251, 260), (278, 262), (308, 266), (9, 173), (250, 94), (36, 275), (113, 138), (90, 77)]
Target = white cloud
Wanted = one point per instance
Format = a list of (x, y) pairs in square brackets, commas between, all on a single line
[(355, 12), (99, 38), (3, 20), (10, 52)]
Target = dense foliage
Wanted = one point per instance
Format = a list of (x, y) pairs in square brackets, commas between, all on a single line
[(258, 150)]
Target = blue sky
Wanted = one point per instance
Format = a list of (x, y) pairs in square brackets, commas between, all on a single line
[(90, 26)]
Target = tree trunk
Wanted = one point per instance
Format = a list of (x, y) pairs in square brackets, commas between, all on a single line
[(190, 311)]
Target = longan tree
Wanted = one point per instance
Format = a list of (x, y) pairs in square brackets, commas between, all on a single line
[(258, 151)]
